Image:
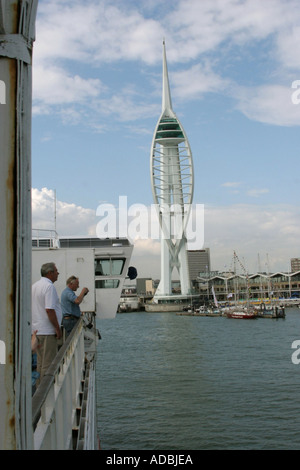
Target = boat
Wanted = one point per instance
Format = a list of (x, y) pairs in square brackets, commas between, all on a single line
[(129, 300), (239, 313), (171, 303), (164, 307), (208, 311), (271, 311), (129, 304)]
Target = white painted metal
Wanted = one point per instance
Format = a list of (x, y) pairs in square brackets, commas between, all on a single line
[(72, 257), (17, 20), (64, 404), (172, 187), (69, 261)]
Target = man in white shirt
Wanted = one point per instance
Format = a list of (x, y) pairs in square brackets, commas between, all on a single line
[(46, 316)]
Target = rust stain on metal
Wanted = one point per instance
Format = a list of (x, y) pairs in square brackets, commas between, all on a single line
[(15, 15), (12, 422), (11, 211)]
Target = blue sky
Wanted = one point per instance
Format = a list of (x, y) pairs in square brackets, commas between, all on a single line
[(97, 83)]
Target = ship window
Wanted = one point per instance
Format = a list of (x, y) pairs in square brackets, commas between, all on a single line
[(109, 267), (107, 283)]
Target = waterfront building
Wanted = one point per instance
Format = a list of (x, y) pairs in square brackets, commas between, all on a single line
[(295, 264), (199, 262), (259, 286), (145, 287)]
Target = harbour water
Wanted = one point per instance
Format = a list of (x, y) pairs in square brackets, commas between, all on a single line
[(169, 382)]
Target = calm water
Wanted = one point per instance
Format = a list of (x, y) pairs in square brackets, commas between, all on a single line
[(169, 382)]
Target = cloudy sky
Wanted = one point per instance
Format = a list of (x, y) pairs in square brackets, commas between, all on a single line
[(234, 70)]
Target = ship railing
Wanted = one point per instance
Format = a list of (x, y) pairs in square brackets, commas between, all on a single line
[(58, 401), (45, 238)]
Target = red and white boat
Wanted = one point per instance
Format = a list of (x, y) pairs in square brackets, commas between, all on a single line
[(241, 314)]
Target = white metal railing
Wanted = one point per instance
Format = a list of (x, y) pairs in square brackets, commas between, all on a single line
[(45, 238), (58, 403)]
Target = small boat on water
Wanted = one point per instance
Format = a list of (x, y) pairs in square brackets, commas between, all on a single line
[(271, 311), (209, 311), (246, 312), (241, 314)]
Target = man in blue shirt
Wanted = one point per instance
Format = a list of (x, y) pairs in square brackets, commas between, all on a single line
[(70, 304)]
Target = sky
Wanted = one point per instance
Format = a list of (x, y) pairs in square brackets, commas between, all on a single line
[(234, 72)]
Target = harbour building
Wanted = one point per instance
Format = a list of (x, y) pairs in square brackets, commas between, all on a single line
[(199, 262), (295, 264), (259, 286)]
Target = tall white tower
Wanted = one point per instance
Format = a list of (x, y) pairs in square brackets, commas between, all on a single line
[(172, 184)]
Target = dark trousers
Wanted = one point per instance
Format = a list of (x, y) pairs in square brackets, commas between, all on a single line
[(69, 323)]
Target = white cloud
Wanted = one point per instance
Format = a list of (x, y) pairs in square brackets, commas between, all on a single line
[(56, 86), (95, 32), (270, 104), (256, 192), (287, 44), (231, 184), (205, 26), (196, 81), (127, 107), (70, 219), (146, 258), (250, 229), (92, 33), (235, 188)]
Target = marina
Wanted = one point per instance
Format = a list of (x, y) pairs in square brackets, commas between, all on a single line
[(238, 312)]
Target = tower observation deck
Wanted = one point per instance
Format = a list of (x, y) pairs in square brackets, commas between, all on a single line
[(172, 182)]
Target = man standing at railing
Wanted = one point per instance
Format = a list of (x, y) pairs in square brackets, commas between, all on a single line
[(46, 316), (70, 303)]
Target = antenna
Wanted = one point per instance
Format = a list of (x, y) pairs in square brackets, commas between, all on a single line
[(55, 210)]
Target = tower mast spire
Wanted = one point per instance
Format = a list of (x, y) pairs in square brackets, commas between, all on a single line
[(166, 95)]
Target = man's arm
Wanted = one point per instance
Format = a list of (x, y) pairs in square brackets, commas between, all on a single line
[(53, 319), (79, 299)]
